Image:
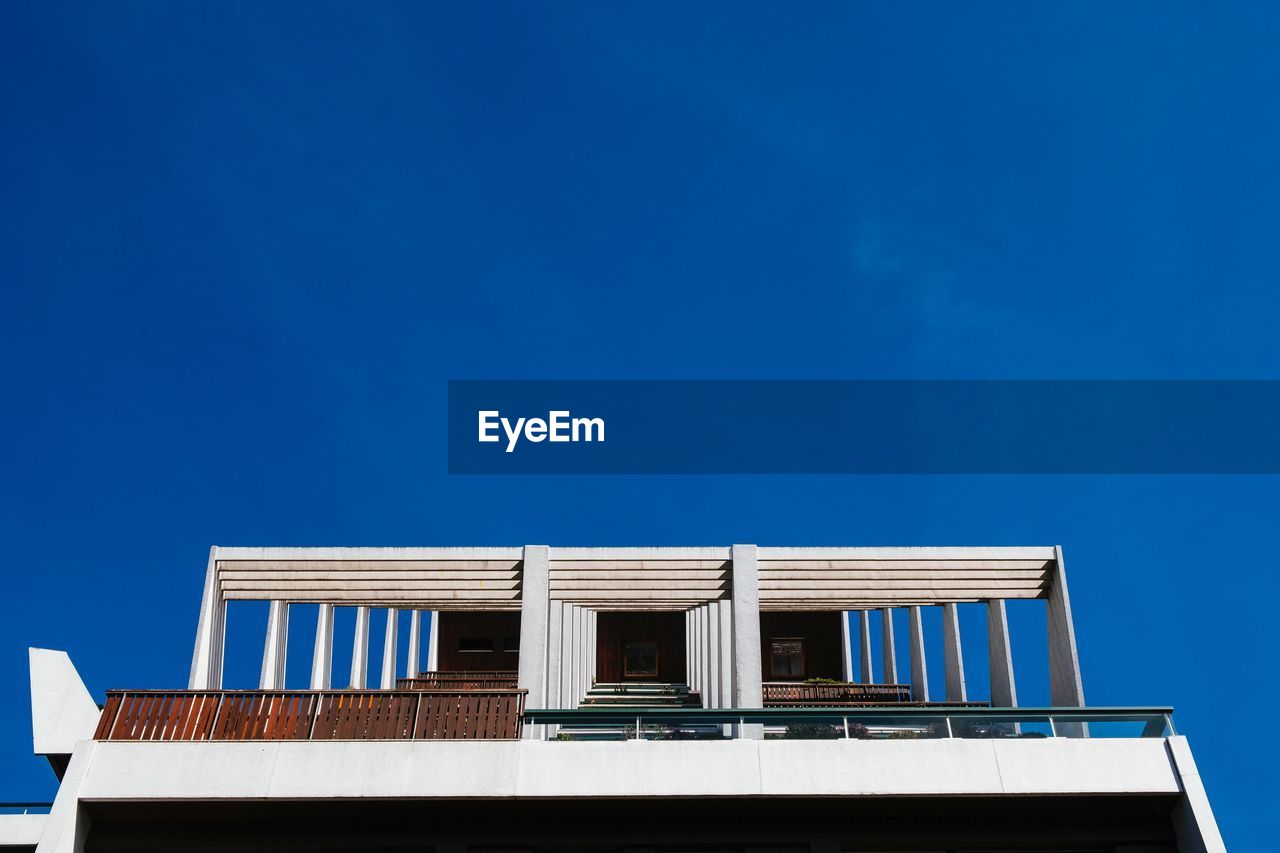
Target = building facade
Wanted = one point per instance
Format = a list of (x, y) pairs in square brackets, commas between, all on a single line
[(723, 698)]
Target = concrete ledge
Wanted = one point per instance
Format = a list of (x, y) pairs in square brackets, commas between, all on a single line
[(21, 830), (539, 769)]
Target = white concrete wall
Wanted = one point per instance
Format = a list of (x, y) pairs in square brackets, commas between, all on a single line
[(62, 711), (352, 769)]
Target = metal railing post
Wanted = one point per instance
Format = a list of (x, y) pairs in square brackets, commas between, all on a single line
[(1053, 730), (846, 728)]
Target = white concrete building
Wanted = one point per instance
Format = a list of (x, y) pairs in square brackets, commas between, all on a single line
[(723, 698)]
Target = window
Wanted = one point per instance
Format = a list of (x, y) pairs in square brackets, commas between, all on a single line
[(475, 644), (640, 659), (786, 657), (511, 644)]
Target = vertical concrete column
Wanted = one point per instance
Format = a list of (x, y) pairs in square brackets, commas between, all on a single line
[(704, 625), (567, 644), (695, 653), (714, 657), (864, 646), (206, 658), (919, 667), (690, 656), (748, 692), (952, 656), (390, 649), (846, 646), (274, 649), (555, 655), (534, 612), (322, 654), (1066, 690), (433, 641), (555, 661), (411, 668), (571, 673), (360, 649), (1000, 655), (888, 648), (593, 665), (726, 653), (579, 652)]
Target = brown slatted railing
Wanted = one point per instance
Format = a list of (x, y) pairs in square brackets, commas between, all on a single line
[(461, 680), (311, 715), (782, 694)]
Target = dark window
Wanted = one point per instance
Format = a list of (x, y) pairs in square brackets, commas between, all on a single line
[(786, 657), (475, 644), (640, 659), (511, 644)]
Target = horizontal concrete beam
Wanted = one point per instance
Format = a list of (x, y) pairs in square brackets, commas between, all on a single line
[(426, 769)]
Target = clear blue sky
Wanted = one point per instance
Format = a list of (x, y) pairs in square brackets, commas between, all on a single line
[(243, 250)]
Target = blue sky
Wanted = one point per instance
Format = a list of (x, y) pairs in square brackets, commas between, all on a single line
[(245, 249)]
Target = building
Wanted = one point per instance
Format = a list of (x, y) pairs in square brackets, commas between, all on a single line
[(637, 699)]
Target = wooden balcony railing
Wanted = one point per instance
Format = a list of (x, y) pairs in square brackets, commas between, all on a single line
[(463, 680), (134, 715), (796, 695)]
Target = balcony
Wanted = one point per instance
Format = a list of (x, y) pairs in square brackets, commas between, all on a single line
[(319, 715), (896, 723)]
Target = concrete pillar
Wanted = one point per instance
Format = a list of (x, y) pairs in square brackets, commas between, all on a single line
[(1066, 690), (888, 648), (691, 619), (534, 613), (206, 658), (846, 646), (592, 639), (571, 648), (689, 657), (864, 645), (555, 654), (714, 657), (322, 655), (726, 653), (700, 629), (704, 628), (411, 668), (274, 649), (919, 667), (748, 692), (360, 650), (579, 653), (390, 649), (566, 655), (1000, 655), (433, 641), (952, 656)]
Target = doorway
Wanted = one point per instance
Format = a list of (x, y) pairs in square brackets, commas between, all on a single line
[(640, 647)]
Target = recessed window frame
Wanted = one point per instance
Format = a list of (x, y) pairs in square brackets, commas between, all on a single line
[(774, 655)]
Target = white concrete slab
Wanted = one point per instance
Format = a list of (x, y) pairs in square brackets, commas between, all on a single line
[(539, 769), (62, 711), (21, 830)]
